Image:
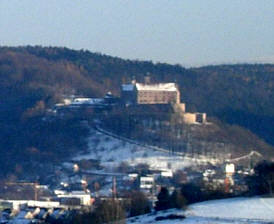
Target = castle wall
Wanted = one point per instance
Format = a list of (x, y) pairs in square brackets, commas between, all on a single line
[(189, 118), (178, 96), (182, 107)]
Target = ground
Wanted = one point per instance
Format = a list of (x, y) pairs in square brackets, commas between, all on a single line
[(236, 210)]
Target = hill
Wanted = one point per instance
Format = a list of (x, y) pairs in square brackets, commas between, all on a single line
[(32, 79), (238, 94), (159, 125)]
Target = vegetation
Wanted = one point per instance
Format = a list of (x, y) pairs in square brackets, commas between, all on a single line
[(178, 200), (160, 126), (163, 201), (110, 211), (262, 182), (192, 193), (114, 211), (139, 204), (167, 201), (32, 79)]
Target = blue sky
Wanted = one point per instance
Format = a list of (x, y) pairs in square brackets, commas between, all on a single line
[(187, 32)]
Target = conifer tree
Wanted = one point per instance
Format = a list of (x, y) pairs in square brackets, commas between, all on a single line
[(163, 202)]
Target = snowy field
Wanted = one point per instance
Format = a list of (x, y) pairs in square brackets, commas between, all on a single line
[(241, 208), (111, 151), (236, 210)]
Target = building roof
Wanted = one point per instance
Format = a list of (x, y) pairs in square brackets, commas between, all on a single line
[(156, 87), (127, 87), (81, 101)]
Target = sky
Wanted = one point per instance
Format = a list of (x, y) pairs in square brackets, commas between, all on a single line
[(186, 32)]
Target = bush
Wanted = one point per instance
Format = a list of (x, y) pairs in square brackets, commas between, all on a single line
[(262, 182), (169, 217), (139, 204), (163, 202), (177, 200), (192, 193)]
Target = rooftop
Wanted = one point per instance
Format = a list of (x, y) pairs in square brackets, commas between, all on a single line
[(150, 87), (127, 87), (156, 87)]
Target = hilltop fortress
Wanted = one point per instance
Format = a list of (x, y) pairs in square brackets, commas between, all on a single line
[(141, 99), (157, 94)]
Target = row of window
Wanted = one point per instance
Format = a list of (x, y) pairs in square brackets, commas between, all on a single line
[(157, 94)]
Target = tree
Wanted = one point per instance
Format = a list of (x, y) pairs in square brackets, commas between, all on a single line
[(109, 211), (177, 200), (192, 193), (262, 181), (142, 168), (179, 177), (123, 167), (163, 202), (139, 204)]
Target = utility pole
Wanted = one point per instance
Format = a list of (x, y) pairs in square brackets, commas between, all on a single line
[(114, 190)]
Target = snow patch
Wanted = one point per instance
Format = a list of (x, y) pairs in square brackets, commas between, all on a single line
[(111, 151)]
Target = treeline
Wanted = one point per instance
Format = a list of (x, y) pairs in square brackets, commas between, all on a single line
[(238, 94)]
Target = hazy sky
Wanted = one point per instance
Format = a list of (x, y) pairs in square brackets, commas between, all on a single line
[(189, 32)]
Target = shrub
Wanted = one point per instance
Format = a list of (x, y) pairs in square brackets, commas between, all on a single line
[(139, 204)]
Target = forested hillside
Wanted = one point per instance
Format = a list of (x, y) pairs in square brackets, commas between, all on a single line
[(33, 78), (239, 94)]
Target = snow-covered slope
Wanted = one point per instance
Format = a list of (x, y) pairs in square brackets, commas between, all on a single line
[(112, 150), (242, 208), (236, 210)]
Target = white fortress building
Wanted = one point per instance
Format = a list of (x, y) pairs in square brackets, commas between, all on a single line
[(139, 93), (158, 93)]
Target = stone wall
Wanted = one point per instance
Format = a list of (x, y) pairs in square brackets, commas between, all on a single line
[(192, 118), (189, 118)]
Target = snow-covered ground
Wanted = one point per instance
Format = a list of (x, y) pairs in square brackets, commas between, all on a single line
[(241, 208), (111, 151), (236, 210)]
